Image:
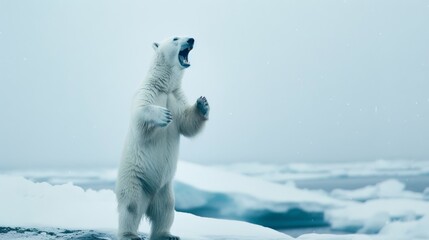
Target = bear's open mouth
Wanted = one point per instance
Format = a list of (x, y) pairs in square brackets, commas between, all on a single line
[(183, 55)]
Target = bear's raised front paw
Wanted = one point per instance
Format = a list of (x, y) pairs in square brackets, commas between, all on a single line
[(203, 107), (163, 117)]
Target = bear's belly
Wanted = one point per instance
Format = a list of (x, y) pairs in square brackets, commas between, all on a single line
[(154, 161)]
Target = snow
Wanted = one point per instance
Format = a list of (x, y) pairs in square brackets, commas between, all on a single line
[(412, 230), (387, 189), (314, 236), (416, 230), (426, 193), (28, 204), (383, 204), (383, 211), (370, 216)]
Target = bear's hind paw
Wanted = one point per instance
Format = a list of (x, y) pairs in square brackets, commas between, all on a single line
[(167, 237), (130, 236)]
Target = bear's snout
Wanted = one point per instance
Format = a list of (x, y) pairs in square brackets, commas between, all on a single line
[(191, 41)]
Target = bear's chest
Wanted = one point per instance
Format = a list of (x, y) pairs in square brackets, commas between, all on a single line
[(170, 102)]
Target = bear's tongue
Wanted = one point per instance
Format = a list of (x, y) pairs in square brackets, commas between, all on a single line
[(183, 59)]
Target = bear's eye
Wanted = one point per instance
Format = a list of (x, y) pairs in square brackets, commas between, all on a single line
[(175, 39)]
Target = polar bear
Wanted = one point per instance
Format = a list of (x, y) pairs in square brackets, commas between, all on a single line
[(160, 114)]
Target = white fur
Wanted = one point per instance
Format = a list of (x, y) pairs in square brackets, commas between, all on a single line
[(144, 185)]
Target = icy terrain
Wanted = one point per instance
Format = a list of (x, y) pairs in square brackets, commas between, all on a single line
[(27, 206), (282, 173), (385, 210)]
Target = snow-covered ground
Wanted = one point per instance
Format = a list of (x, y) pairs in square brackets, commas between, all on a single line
[(381, 211), (26, 204)]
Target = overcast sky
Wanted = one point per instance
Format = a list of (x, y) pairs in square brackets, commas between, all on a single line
[(286, 80)]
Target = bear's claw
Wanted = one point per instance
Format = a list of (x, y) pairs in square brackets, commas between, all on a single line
[(203, 106), (165, 118)]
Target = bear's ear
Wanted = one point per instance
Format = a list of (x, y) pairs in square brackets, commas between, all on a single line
[(155, 46)]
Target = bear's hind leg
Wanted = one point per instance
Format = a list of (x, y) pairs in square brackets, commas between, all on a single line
[(161, 214), (132, 204)]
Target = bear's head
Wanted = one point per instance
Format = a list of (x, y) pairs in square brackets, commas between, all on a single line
[(175, 51)]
